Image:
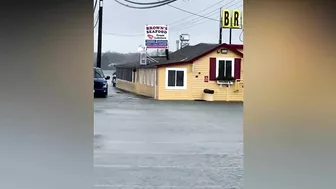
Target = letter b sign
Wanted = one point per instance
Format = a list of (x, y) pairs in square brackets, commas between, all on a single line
[(226, 17)]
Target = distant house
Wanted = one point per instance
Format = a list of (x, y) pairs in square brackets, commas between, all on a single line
[(190, 70)]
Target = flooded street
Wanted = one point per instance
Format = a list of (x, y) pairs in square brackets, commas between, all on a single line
[(143, 143)]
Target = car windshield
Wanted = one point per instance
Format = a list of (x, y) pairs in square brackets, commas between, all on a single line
[(98, 73)]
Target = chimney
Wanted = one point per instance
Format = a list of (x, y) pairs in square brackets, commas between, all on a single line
[(167, 54)]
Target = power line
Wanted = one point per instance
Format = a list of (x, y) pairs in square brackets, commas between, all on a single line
[(190, 26), (166, 2), (95, 25), (241, 35), (190, 23), (193, 21), (194, 15), (207, 14), (125, 35), (95, 5), (237, 7), (97, 19), (148, 3), (213, 12)]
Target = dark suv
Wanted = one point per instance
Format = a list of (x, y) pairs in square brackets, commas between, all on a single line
[(100, 87)]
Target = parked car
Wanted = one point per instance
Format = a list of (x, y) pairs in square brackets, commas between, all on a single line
[(100, 87)]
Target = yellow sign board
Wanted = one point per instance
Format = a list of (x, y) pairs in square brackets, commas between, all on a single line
[(226, 15), (231, 19)]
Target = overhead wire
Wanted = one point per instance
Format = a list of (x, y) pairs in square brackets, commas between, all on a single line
[(125, 35), (241, 35), (96, 17), (193, 13), (216, 11), (166, 2), (184, 24), (207, 8), (169, 24), (147, 3), (193, 22), (183, 10), (96, 23), (213, 12), (95, 6)]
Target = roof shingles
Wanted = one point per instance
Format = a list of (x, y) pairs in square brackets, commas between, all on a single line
[(186, 54)]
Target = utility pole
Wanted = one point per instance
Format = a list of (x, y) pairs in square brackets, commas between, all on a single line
[(220, 26), (100, 33), (230, 35)]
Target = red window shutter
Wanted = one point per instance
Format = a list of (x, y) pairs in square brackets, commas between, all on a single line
[(212, 69), (237, 68)]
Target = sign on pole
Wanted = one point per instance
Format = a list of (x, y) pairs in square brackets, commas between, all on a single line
[(236, 19), (231, 19), (156, 37), (226, 16)]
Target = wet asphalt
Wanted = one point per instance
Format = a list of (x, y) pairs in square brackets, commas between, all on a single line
[(141, 143)]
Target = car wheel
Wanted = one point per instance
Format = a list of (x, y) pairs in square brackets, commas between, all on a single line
[(105, 95)]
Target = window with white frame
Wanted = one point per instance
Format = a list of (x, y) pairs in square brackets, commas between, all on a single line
[(176, 78), (225, 69)]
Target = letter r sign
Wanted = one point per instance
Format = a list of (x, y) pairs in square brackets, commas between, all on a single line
[(236, 19)]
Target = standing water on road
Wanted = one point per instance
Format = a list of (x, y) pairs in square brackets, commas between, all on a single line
[(144, 143)]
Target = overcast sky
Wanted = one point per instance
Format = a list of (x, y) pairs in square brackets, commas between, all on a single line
[(119, 20)]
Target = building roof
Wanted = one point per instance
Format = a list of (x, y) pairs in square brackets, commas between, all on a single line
[(191, 53), (136, 64), (187, 54)]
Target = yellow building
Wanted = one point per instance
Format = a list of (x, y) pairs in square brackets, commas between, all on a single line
[(189, 74)]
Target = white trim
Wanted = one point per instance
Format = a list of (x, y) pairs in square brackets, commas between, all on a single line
[(225, 82), (184, 78), (226, 59)]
